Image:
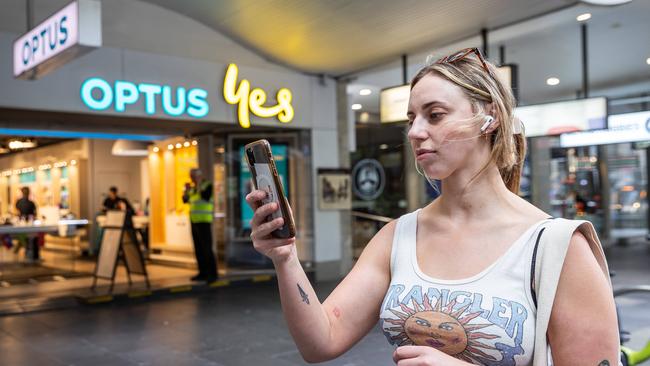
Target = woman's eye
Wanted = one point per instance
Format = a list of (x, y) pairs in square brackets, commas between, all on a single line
[(434, 116)]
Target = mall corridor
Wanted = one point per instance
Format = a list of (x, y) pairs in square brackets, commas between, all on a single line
[(230, 327)]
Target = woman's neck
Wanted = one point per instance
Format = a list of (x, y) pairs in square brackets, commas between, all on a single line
[(466, 196)]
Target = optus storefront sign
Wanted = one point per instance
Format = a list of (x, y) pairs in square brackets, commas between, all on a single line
[(66, 34), (176, 101), (98, 94)]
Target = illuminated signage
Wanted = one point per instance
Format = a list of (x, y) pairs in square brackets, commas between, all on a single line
[(629, 127), (394, 103), (68, 33), (563, 117), (98, 94), (253, 100)]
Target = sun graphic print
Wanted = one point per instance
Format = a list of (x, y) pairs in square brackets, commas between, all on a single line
[(442, 328)]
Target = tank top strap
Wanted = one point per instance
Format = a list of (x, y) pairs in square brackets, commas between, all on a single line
[(403, 242)]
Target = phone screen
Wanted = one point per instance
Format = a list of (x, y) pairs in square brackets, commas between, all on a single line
[(265, 182)]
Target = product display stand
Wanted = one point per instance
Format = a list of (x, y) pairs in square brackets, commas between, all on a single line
[(113, 247)]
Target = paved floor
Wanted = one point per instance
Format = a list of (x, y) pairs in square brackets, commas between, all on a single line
[(231, 326), (60, 274)]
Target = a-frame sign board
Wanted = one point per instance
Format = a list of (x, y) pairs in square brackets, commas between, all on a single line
[(114, 247)]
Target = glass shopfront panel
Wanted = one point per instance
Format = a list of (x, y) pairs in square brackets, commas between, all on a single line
[(291, 152), (628, 177)]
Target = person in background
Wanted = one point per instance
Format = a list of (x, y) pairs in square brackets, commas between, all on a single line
[(112, 202), (26, 207), (27, 211), (199, 195), (115, 202)]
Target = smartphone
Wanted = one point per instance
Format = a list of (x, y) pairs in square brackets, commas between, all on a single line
[(266, 178)]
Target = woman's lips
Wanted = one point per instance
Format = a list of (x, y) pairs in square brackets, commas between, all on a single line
[(421, 155)]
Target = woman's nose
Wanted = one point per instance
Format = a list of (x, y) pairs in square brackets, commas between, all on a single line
[(417, 130)]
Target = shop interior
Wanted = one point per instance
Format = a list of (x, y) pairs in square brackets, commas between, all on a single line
[(70, 178)]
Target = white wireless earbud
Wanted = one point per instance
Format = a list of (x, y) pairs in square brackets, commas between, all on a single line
[(488, 121)]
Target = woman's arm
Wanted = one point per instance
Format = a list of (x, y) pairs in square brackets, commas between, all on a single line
[(323, 331), (583, 328)]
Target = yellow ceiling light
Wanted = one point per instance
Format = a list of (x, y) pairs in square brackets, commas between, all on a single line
[(170, 147), (155, 149)]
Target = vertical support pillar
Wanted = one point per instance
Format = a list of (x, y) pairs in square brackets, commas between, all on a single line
[(647, 163), (343, 126), (405, 79), (585, 60), (502, 55), (605, 198), (484, 41), (205, 156)]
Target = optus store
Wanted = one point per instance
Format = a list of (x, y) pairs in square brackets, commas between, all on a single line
[(191, 114)]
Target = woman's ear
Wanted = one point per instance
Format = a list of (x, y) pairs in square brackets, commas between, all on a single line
[(491, 111)]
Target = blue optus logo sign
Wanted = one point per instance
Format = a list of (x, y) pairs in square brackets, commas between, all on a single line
[(98, 94)]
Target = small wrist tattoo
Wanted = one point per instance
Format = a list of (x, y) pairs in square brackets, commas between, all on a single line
[(604, 363), (303, 294)]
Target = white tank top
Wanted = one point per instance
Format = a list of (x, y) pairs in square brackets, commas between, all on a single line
[(487, 319)]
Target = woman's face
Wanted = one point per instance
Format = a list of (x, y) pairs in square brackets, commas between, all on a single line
[(441, 136)]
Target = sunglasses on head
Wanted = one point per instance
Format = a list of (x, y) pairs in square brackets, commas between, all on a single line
[(462, 54)]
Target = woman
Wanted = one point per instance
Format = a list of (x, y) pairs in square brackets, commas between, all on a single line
[(451, 282)]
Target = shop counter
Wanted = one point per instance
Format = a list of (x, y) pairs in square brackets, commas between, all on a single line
[(62, 228)]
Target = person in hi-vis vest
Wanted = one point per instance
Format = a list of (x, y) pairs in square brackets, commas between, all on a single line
[(199, 195)]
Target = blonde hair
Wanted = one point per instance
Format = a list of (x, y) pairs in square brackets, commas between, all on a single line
[(508, 149)]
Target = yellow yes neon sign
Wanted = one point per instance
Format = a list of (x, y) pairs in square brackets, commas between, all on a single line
[(253, 100)]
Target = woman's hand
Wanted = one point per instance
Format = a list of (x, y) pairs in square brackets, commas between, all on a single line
[(278, 250), (424, 356)]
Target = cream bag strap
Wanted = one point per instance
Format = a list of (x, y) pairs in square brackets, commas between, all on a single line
[(548, 259)]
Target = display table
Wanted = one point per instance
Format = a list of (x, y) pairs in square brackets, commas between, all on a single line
[(36, 228)]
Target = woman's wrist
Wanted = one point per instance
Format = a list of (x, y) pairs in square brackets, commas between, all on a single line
[(286, 261)]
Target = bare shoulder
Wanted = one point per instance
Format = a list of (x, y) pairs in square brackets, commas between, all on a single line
[(580, 264), (580, 258)]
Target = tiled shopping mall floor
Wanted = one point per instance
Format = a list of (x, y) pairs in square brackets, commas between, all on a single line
[(231, 326)]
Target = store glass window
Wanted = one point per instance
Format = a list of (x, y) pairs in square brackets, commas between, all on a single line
[(628, 177), (292, 156)]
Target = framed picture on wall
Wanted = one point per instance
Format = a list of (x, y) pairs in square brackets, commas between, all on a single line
[(334, 189)]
